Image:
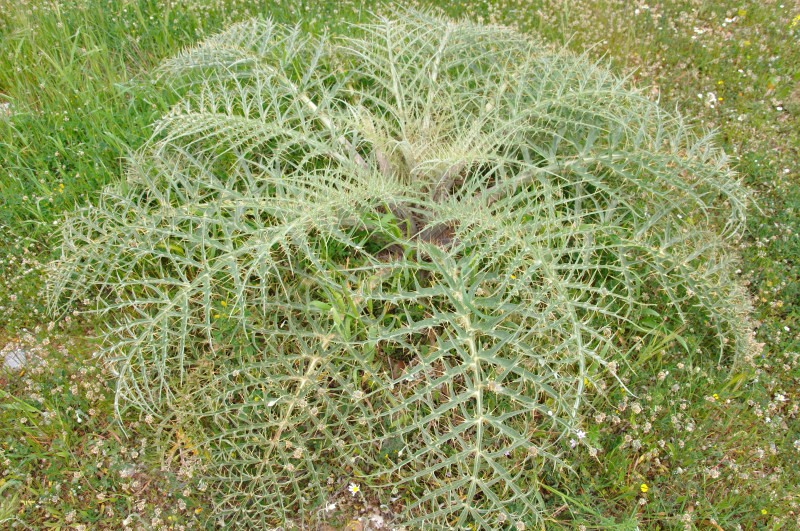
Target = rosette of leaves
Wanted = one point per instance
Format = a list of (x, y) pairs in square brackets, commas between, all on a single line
[(399, 258)]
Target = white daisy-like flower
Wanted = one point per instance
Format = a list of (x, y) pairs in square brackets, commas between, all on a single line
[(354, 488)]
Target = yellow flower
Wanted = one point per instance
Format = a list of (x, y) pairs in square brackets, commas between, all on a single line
[(644, 488), (224, 304), (716, 396), (763, 511)]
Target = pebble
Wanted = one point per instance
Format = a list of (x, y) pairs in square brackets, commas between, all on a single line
[(17, 359)]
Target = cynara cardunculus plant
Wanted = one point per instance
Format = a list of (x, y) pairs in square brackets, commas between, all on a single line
[(399, 258)]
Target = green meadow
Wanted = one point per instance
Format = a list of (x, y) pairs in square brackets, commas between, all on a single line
[(681, 437)]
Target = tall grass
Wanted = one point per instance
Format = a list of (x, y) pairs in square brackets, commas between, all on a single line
[(74, 78)]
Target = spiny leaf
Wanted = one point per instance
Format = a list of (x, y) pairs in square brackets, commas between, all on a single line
[(427, 237)]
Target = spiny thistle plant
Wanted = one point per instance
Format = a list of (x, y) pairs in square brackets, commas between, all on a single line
[(399, 258)]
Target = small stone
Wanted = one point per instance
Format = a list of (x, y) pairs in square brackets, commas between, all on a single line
[(17, 359)]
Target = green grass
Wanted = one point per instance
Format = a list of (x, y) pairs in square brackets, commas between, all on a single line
[(74, 74)]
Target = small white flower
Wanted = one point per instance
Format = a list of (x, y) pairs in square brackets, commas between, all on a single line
[(330, 507), (354, 488), (580, 434), (494, 387)]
